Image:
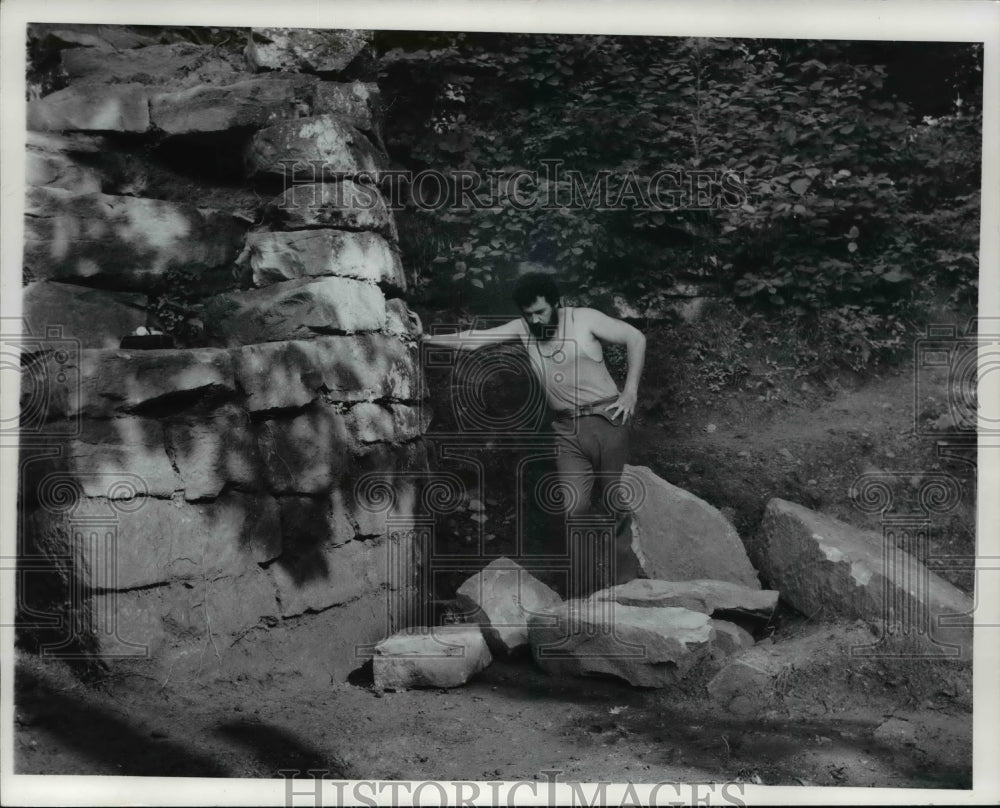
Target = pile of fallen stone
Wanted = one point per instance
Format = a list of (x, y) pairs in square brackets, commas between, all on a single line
[(646, 632), (651, 632)]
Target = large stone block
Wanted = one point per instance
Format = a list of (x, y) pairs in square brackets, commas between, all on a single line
[(645, 647), (220, 607), (824, 566), (124, 544), (399, 319), (442, 656), (309, 454), (302, 49), (92, 108), (95, 318), (315, 649), (272, 257), (178, 64), (123, 242), (500, 599), (347, 205), (52, 161), (358, 102), (313, 149), (102, 38), (253, 103), (105, 458), (213, 450), (139, 623), (313, 577), (295, 310), (360, 367), (708, 597), (678, 537), (116, 381), (369, 422)]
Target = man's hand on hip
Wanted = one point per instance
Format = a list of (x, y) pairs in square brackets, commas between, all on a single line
[(624, 406)]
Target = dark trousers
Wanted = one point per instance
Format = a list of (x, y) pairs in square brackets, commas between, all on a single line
[(592, 451)]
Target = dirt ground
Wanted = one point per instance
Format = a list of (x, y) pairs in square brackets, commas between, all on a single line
[(837, 721)]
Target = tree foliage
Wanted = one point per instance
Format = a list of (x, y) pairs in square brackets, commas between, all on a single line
[(848, 199)]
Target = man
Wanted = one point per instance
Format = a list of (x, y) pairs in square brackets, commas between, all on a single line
[(590, 413)]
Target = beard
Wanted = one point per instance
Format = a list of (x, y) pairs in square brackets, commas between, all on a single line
[(545, 331)]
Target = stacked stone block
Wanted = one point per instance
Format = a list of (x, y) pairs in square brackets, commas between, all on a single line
[(224, 475)]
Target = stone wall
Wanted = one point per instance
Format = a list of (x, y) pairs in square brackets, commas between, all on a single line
[(182, 502)]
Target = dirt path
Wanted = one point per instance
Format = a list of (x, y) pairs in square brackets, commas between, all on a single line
[(511, 723)]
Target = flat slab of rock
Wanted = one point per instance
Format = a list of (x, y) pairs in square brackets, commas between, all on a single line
[(92, 108), (348, 205), (255, 102), (122, 242), (51, 161), (272, 257), (678, 537), (500, 599), (645, 647), (358, 367), (155, 540), (708, 597), (445, 656), (295, 310), (96, 318), (824, 566)]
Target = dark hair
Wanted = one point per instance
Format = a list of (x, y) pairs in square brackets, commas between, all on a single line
[(534, 285)]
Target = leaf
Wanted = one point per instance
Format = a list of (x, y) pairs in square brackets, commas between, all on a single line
[(801, 185), (476, 282), (852, 247), (894, 276), (853, 233)]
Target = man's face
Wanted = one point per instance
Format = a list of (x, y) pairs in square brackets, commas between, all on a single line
[(542, 319)]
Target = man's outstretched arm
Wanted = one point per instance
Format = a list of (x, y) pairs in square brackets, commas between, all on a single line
[(621, 333), (471, 339)]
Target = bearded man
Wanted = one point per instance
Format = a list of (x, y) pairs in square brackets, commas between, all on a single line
[(589, 413)]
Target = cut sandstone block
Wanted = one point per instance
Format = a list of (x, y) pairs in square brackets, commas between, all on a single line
[(501, 598), (645, 647), (444, 656), (295, 310), (678, 537), (823, 565)]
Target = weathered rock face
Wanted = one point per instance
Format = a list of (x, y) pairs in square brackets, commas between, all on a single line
[(254, 102), (231, 479), (645, 647), (359, 367), (500, 599), (445, 656), (123, 242), (125, 544), (678, 537), (708, 597), (295, 310), (92, 108), (319, 148), (95, 317), (275, 257), (306, 50), (347, 205), (50, 163), (824, 566)]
